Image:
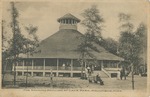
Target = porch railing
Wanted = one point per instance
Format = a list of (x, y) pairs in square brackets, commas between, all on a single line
[(50, 67), (47, 68), (112, 69), (64, 68), (77, 68)]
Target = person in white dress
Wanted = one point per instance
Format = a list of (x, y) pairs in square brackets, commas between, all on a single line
[(118, 74)]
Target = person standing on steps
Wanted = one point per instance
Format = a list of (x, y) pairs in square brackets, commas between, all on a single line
[(121, 74), (125, 74), (88, 68), (118, 75)]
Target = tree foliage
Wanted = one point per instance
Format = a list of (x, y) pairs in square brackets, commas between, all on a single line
[(4, 39), (86, 46), (127, 38), (4, 43), (30, 45), (31, 41), (126, 25), (93, 22), (110, 45), (141, 35), (17, 41), (93, 25), (131, 42)]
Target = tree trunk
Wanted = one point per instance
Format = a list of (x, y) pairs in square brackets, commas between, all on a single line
[(82, 63), (3, 72), (132, 76), (15, 72), (3, 76)]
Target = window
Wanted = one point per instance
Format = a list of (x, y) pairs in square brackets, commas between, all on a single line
[(76, 63), (50, 62), (65, 62), (27, 62), (38, 62)]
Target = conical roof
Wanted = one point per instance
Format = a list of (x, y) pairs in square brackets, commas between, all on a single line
[(68, 16), (64, 43)]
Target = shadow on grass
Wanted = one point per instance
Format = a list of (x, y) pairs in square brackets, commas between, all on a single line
[(32, 85)]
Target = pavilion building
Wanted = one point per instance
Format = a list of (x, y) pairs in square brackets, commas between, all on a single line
[(59, 54)]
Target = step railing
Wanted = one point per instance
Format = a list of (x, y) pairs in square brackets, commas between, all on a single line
[(107, 73)]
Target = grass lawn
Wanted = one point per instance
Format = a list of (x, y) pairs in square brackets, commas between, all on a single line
[(77, 83)]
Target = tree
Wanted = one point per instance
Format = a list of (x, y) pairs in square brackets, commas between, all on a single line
[(32, 41), (84, 49), (129, 43), (30, 45), (141, 34), (17, 40), (4, 52), (92, 22), (19, 44)]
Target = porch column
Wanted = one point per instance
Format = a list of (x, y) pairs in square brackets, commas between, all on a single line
[(57, 67), (71, 21), (32, 64), (85, 70), (108, 66), (102, 64), (117, 65), (32, 67), (71, 68), (110, 63), (85, 65), (23, 68), (44, 64), (44, 67), (16, 68), (17, 63)]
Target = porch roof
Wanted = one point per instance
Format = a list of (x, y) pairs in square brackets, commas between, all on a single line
[(64, 43)]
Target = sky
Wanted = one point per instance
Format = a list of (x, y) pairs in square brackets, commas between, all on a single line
[(44, 15)]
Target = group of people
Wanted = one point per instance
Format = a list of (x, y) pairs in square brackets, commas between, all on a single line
[(122, 73), (97, 79)]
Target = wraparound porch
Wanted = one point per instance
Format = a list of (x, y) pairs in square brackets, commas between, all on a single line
[(59, 67)]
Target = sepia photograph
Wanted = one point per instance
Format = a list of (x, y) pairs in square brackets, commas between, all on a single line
[(97, 46)]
